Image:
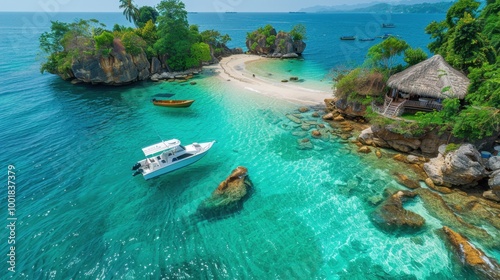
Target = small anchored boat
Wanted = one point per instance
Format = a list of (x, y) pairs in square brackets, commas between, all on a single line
[(173, 103), (167, 156), (388, 25), (348, 38)]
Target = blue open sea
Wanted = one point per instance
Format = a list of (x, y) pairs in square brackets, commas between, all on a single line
[(81, 215)]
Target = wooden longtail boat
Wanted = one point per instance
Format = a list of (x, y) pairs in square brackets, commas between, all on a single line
[(173, 103)]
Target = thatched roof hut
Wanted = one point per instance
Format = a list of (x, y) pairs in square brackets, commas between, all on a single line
[(433, 77)]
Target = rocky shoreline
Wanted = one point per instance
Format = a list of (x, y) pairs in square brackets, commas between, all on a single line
[(451, 186)]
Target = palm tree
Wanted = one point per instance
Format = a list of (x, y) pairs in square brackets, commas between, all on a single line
[(129, 10)]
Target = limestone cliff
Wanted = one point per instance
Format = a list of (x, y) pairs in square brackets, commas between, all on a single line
[(117, 68), (276, 44)]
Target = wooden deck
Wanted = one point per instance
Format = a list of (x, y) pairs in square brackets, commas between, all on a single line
[(427, 106), (393, 108)]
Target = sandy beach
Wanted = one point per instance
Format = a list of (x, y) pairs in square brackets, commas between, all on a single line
[(233, 70)]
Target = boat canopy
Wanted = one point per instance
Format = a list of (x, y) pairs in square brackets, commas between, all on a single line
[(160, 147)]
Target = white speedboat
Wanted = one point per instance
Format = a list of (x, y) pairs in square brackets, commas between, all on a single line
[(168, 156)]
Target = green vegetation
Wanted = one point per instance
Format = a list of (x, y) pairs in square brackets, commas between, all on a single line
[(460, 38), (364, 85), (469, 39), (146, 14), (67, 41), (216, 40), (414, 56), (451, 147), (162, 31), (360, 85), (130, 11), (298, 32), (268, 35), (384, 55)]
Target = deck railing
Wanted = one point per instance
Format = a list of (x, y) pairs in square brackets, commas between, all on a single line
[(426, 105), (400, 108)]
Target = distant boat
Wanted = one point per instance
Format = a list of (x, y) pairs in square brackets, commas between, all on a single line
[(230, 12), (349, 38), (388, 25), (366, 39), (296, 12), (387, 35), (173, 103)]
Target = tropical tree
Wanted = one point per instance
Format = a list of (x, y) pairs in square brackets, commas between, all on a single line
[(129, 10), (384, 54), (175, 36), (413, 56), (460, 39), (145, 14), (298, 32)]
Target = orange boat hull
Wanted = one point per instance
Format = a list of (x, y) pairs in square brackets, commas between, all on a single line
[(173, 103)]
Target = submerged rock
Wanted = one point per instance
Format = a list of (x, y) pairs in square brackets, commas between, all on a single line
[(439, 209), (406, 181), (364, 150), (316, 134), (293, 118), (229, 195), (472, 257), (391, 215), (305, 144), (303, 109)]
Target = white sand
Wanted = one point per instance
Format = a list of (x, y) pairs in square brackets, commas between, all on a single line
[(233, 71)]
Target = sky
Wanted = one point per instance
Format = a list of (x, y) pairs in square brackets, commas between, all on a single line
[(191, 5)]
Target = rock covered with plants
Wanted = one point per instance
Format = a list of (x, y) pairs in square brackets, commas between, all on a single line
[(266, 41), (162, 40)]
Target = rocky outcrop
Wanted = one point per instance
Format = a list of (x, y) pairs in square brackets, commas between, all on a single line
[(462, 167), (117, 68), (282, 46), (391, 215), (155, 65), (387, 137), (472, 257), (439, 209), (222, 51), (229, 195), (182, 75), (351, 109), (493, 164)]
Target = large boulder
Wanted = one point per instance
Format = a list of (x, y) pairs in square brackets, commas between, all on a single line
[(391, 215), (472, 257), (229, 195), (155, 65), (462, 167), (117, 68), (390, 136)]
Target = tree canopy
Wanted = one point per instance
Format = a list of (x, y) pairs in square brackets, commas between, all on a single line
[(130, 11), (468, 39), (163, 31), (384, 55)]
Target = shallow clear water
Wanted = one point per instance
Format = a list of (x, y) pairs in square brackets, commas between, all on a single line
[(82, 215)]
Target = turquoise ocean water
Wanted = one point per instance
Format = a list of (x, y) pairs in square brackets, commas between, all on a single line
[(80, 214)]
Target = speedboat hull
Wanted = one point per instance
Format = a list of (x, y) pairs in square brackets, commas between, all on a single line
[(171, 159), (175, 166)]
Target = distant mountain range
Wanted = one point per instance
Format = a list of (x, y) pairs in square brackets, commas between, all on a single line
[(400, 7)]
